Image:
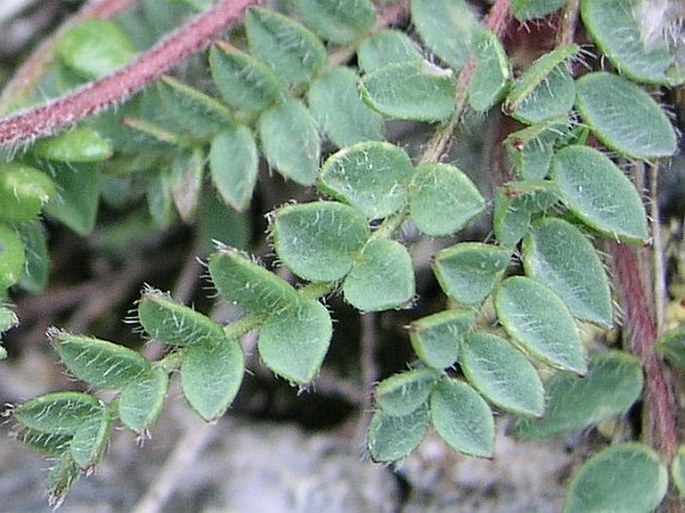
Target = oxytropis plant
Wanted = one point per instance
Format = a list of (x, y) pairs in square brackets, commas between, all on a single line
[(570, 94)]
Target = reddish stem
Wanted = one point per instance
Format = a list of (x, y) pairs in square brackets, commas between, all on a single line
[(641, 328), (46, 119)]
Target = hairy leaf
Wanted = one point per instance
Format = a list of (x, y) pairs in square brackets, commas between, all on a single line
[(387, 46), (391, 438), (12, 257), (234, 163), (401, 394), (340, 21), (81, 144), (436, 338), (23, 192), (491, 76), (60, 413), (141, 401), (76, 204), (90, 440)]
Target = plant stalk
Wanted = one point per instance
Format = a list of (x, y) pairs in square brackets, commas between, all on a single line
[(25, 127)]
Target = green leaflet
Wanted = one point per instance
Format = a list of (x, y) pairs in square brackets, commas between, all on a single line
[(290, 141), (61, 478), (293, 342), (211, 374), (37, 266), (540, 323), (48, 443), (159, 198), (401, 394), (416, 90), (370, 176), (436, 338), (612, 384), (335, 104), (391, 438), (288, 48), (671, 345), (251, 287), (530, 150), (141, 401), (191, 112), (243, 81), (90, 440), (76, 204), (596, 191), (95, 48), (502, 374), (318, 241), (338, 22), (467, 271), (23, 192), (614, 25), (545, 90), (174, 324), (80, 144), (60, 413), (678, 471), (382, 277), (234, 163), (185, 182), (628, 477), (12, 257), (387, 46), (559, 255), (98, 362), (516, 203), (624, 117), (446, 26), (491, 76), (462, 418), (442, 199), (524, 10)]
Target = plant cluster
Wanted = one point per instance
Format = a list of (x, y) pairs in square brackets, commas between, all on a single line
[(309, 89)]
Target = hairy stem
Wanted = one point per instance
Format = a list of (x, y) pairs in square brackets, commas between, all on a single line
[(24, 127), (642, 331)]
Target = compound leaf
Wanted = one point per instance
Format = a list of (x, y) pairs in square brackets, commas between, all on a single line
[(382, 277), (462, 418), (319, 240), (628, 477), (211, 374), (442, 199), (502, 374), (596, 191), (370, 176), (540, 323), (624, 117)]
